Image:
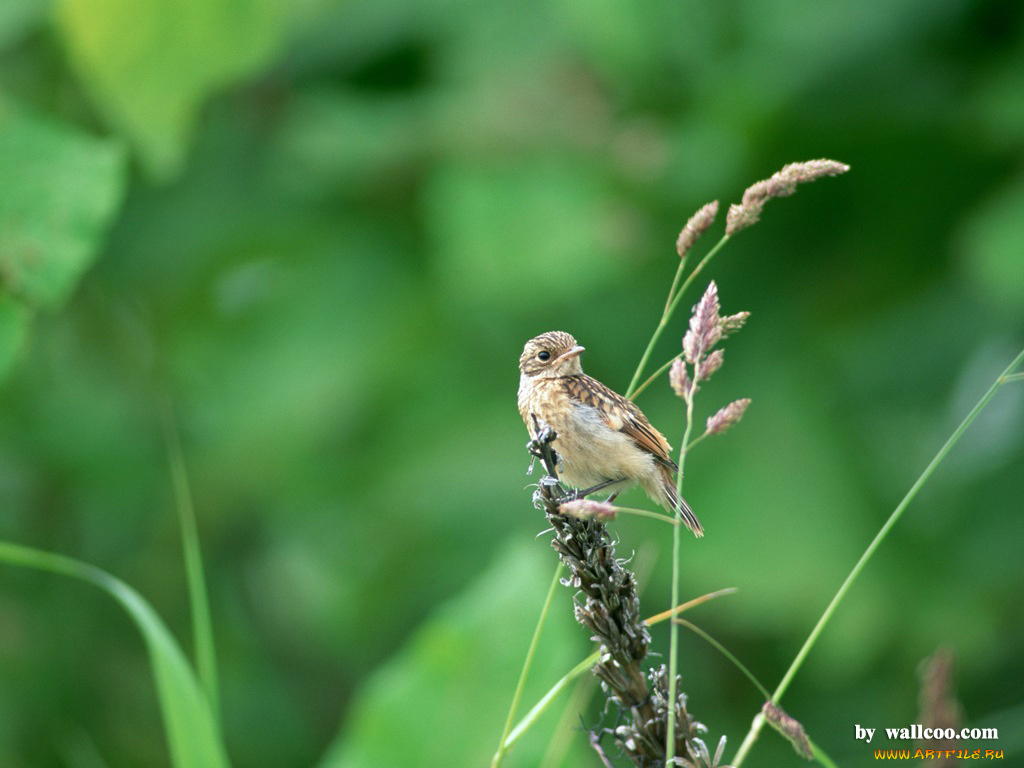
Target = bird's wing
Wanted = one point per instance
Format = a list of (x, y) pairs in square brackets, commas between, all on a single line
[(622, 415), (650, 439)]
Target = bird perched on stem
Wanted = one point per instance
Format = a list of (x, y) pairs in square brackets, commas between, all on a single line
[(602, 439)]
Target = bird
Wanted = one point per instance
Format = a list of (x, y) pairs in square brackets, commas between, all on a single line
[(602, 439)]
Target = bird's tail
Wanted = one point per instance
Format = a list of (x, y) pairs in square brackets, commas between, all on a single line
[(677, 503)]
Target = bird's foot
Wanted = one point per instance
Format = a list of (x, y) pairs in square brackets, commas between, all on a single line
[(544, 435), (582, 494)]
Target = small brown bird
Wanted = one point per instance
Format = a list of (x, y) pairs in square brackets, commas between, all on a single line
[(603, 440)]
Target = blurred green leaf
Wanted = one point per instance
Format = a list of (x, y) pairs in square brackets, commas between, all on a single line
[(60, 191), (192, 732), (18, 16), (997, 104), (13, 325), (442, 701), (993, 244), (500, 229), (331, 136), (782, 404), (149, 66)]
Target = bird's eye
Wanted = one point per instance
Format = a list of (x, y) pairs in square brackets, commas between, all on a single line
[(543, 355)]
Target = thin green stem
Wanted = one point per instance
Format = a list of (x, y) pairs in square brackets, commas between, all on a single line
[(193, 734), (565, 731), (675, 295), (650, 379), (538, 709), (697, 270), (820, 756), (673, 657), (630, 391), (202, 624), (727, 653), (755, 728), (675, 282), (673, 647), (666, 313), (670, 308), (696, 441), (504, 744), (659, 617)]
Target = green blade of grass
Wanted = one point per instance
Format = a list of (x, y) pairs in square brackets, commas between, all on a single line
[(538, 709), (193, 736), (1008, 375), (202, 624), (670, 308), (506, 740), (727, 653)]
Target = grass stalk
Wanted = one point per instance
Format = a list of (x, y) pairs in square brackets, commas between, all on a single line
[(673, 655), (664, 615), (506, 734), (673, 647), (194, 737), (653, 377), (666, 315), (564, 733), (202, 624), (545, 701), (725, 652), (670, 307), (1008, 375)]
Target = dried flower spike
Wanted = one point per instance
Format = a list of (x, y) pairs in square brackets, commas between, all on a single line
[(695, 227), (939, 707), (608, 606), (783, 183), (727, 416), (732, 323), (741, 217), (705, 329), (700, 757), (788, 727), (711, 364), (679, 379)]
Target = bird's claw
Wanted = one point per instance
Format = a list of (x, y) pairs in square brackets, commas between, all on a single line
[(543, 437), (549, 490)]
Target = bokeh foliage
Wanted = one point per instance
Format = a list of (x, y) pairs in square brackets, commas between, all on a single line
[(324, 230)]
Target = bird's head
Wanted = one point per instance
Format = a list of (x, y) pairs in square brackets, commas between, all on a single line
[(551, 355)]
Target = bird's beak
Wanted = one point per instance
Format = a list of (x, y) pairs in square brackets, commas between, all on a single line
[(574, 352)]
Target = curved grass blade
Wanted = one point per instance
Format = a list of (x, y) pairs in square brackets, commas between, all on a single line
[(1009, 374), (193, 737), (202, 624)]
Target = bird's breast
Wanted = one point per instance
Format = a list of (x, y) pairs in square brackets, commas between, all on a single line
[(546, 399), (590, 450)]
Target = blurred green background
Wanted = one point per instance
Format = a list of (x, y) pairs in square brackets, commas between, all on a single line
[(324, 230)]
